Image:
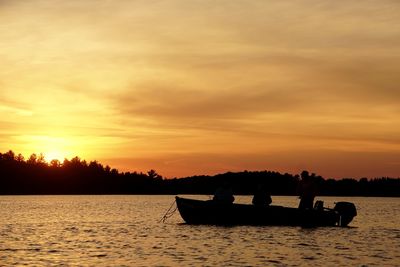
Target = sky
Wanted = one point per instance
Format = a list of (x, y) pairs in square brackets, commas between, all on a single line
[(204, 87)]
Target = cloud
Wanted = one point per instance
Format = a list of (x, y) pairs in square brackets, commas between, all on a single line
[(371, 79), (180, 103), (16, 108)]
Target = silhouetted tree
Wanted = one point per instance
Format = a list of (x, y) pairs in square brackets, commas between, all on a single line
[(55, 163), (32, 159), (153, 174), (76, 176)]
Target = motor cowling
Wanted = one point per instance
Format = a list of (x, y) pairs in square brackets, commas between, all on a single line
[(347, 211)]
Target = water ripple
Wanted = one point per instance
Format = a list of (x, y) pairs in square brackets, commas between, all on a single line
[(124, 231)]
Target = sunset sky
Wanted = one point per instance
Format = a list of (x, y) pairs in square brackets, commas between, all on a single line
[(203, 87)]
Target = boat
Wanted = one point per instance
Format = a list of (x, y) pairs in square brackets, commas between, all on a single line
[(215, 213)]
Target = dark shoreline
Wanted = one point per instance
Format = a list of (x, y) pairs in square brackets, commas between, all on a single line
[(35, 176)]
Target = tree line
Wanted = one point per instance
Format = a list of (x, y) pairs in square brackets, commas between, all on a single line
[(76, 176)]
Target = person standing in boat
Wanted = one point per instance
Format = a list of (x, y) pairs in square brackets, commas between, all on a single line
[(261, 197), (224, 194), (307, 191)]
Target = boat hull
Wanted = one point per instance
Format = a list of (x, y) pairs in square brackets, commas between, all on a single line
[(211, 212)]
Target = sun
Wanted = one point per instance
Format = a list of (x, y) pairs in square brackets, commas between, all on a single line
[(55, 148), (51, 147), (54, 155)]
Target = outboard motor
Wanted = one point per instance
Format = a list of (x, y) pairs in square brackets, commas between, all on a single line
[(346, 211)]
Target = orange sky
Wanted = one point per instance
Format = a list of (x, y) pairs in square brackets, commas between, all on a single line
[(202, 87)]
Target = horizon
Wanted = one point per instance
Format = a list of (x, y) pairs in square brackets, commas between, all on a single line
[(40, 157), (190, 88)]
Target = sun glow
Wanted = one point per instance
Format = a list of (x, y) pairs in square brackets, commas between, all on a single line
[(54, 155), (51, 147)]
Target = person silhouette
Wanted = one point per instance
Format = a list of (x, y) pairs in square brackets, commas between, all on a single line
[(307, 190), (224, 194), (261, 197)]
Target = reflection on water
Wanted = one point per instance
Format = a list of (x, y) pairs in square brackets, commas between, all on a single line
[(125, 230)]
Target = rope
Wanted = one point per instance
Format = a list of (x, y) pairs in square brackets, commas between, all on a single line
[(169, 212)]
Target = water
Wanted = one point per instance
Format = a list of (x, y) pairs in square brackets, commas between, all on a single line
[(125, 231)]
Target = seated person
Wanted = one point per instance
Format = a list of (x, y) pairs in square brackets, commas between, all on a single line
[(261, 197), (224, 194)]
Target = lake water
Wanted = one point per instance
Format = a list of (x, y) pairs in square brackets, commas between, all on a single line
[(125, 231)]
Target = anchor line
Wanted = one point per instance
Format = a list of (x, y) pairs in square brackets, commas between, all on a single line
[(169, 212)]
